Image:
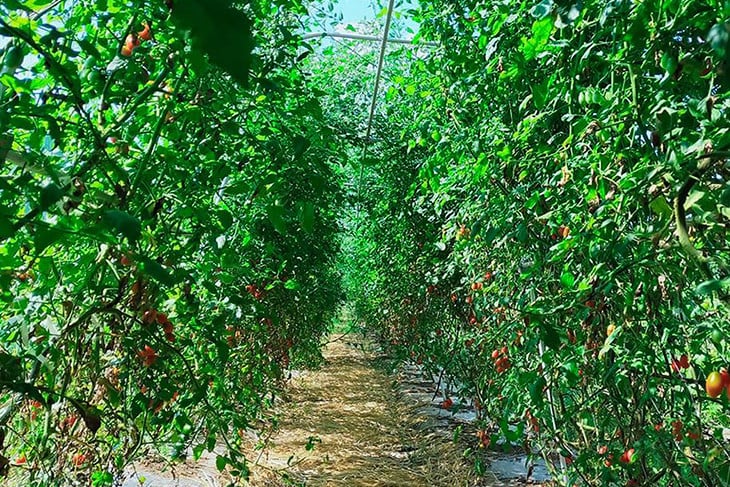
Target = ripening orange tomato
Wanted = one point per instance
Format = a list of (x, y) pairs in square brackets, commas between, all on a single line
[(131, 41), (713, 384), (145, 34), (78, 459), (725, 377)]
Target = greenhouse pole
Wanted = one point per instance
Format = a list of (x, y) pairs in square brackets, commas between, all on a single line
[(361, 37)]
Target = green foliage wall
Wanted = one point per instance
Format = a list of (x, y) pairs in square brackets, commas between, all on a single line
[(564, 241), (168, 228)]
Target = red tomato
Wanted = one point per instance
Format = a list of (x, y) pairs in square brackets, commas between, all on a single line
[(148, 356), (684, 361), (675, 365), (149, 317), (627, 455)]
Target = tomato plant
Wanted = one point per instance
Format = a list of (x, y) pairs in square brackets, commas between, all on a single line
[(153, 166), (577, 152)]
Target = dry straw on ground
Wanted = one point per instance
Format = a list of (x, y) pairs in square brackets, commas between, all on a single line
[(364, 432), (369, 436)]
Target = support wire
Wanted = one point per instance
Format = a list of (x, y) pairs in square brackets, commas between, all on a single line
[(383, 46)]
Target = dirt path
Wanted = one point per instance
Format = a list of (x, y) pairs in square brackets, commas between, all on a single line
[(362, 432), (351, 424)]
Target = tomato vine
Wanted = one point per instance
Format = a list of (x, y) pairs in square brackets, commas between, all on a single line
[(156, 171), (550, 231)]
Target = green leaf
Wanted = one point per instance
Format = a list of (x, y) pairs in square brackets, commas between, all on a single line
[(568, 280), (693, 198), (6, 142), (308, 217), (536, 388), (301, 144), (220, 31), (123, 223), (725, 198), (541, 31), (50, 195), (44, 237), (210, 441), (276, 216), (221, 462), (102, 479), (714, 285), (225, 218), (540, 93), (36, 4), (719, 38), (6, 227), (542, 9), (550, 336), (572, 371), (155, 271), (292, 284), (660, 206), (10, 368), (24, 388), (522, 233)]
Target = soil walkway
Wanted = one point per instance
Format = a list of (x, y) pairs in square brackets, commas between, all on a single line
[(345, 425)]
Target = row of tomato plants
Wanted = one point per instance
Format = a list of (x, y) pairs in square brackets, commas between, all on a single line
[(551, 232), (167, 230)]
